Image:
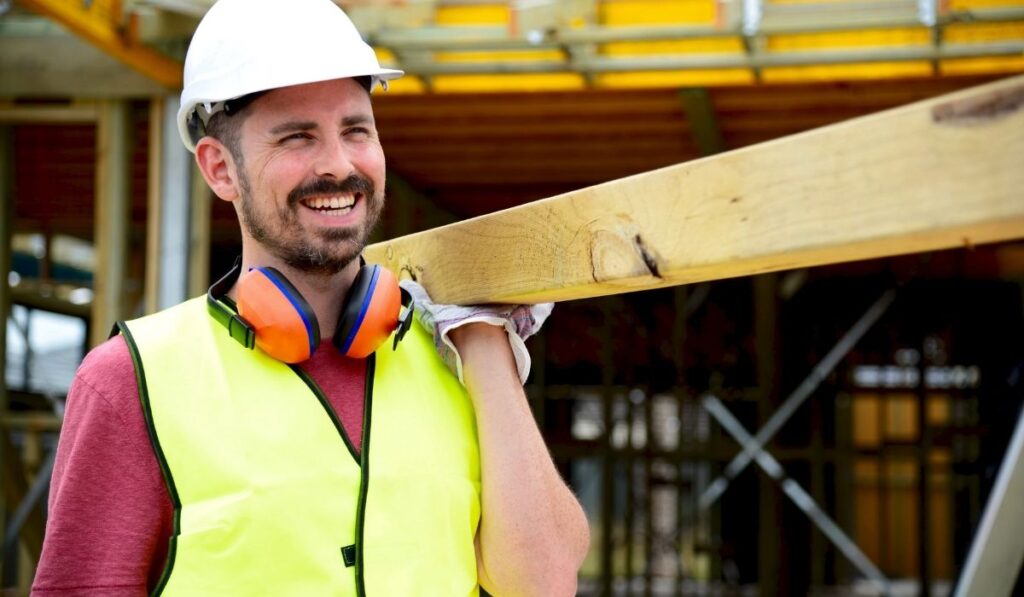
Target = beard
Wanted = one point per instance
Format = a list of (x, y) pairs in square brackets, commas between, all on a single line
[(323, 251)]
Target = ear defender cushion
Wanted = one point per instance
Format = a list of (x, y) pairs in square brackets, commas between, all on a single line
[(370, 314), (286, 326)]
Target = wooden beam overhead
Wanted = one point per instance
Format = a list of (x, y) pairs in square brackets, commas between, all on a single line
[(937, 174), (59, 64), (103, 25), (484, 149)]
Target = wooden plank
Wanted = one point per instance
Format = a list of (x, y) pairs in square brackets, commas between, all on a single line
[(933, 175)]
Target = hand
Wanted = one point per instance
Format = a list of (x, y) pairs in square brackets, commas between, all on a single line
[(519, 321)]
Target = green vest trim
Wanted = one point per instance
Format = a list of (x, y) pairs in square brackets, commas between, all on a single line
[(229, 473), (364, 479), (140, 382), (327, 407)]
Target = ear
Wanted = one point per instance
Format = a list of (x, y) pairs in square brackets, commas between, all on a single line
[(218, 167)]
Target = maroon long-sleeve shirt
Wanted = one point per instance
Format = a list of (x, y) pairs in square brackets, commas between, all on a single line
[(110, 516)]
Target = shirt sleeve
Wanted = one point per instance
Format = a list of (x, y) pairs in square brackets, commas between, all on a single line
[(110, 516)]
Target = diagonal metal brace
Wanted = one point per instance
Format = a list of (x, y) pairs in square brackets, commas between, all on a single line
[(797, 494), (797, 398)]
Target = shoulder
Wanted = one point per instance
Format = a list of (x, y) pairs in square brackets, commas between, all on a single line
[(110, 357), (107, 375)]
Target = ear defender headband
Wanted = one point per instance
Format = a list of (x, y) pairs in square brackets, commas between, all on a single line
[(273, 315)]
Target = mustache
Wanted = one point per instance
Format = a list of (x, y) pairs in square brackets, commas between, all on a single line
[(328, 186)]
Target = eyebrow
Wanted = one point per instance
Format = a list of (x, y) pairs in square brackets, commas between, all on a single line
[(357, 119), (308, 125), (293, 125)]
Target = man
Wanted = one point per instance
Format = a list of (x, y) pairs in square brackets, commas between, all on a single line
[(191, 464)]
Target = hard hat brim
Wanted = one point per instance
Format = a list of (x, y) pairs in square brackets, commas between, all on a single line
[(381, 76)]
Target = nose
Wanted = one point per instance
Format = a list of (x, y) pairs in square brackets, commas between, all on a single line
[(333, 159)]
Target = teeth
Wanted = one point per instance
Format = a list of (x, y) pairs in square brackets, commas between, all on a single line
[(338, 202)]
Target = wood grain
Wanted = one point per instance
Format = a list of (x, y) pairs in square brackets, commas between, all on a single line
[(937, 174)]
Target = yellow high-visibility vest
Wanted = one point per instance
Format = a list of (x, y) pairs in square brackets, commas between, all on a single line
[(270, 498)]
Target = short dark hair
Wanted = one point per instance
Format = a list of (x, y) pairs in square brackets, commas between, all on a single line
[(226, 125), (366, 82)]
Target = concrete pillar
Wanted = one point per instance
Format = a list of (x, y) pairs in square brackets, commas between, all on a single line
[(168, 214)]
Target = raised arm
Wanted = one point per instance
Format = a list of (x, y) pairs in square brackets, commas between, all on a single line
[(533, 533)]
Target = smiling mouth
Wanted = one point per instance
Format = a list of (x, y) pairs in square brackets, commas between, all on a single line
[(333, 205)]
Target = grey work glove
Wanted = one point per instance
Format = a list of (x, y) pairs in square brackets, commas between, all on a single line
[(520, 321)]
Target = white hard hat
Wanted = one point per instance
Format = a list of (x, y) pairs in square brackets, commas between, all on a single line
[(245, 46)]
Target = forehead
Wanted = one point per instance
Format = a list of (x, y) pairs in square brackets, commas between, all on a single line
[(332, 100)]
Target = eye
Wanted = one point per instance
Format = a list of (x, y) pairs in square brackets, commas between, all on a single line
[(358, 130), (300, 136)]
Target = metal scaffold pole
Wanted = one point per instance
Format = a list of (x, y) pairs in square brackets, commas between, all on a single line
[(997, 552)]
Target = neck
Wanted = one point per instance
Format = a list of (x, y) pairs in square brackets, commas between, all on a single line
[(324, 292)]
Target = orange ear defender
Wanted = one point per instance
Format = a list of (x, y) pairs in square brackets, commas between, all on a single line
[(273, 315), (371, 312), (285, 324)]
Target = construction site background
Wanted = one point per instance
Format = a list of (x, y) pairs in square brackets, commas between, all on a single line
[(907, 372)]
